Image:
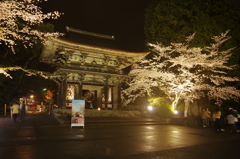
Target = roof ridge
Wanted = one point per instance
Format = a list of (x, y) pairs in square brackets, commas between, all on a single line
[(69, 29)]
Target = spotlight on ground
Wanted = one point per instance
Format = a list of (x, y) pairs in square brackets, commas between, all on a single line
[(150, 107)]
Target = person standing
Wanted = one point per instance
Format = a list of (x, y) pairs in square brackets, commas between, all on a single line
[(208, 116), (231, 122), (15, 110), (23, 109), (235, 115), (217, 119)]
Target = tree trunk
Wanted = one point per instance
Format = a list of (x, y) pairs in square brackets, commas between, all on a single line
[(24, 67), (187, 103)]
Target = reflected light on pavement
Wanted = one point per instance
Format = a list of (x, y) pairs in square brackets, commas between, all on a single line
[(175, 137), (149, 137), (149, 142), (148, 127)]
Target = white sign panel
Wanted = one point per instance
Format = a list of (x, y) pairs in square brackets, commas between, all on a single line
[(78, 110)]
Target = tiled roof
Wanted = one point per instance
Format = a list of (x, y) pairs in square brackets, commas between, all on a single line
[(92, 39)]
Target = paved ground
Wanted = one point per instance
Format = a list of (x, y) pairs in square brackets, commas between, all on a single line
[(89, 122), (112, 121), (6, 121), (43, 136)]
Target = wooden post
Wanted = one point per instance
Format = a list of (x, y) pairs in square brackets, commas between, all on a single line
[(106, 96), (81, 77), (106, 90), (80, 90)]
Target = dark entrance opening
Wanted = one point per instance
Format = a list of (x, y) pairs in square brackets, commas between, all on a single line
[(90, 98)]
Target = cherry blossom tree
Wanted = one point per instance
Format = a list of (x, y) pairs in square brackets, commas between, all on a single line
[(18, 21), (185, 73), (29, 72)]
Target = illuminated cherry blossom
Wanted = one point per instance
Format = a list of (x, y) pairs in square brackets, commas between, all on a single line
[(17, 21), (184, 73), (30, 72)]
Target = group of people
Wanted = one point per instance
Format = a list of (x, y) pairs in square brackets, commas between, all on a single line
[(16, 109), (232, 119)]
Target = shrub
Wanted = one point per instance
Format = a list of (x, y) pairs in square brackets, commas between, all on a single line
[(163, 107)]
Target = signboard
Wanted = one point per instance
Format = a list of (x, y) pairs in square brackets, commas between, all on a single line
[(78, 110)]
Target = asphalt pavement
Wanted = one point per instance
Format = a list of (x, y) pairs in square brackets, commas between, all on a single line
[(90, 122), (44, 136)]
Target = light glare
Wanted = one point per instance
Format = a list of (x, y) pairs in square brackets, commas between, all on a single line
[(150, 107)]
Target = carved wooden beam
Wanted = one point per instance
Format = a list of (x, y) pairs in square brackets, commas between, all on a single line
[(81, 77)]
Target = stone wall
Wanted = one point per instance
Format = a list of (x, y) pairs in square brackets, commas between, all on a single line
[(100, 113), (189, 121)]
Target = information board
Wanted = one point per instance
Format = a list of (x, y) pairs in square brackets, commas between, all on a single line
[(78, 110)]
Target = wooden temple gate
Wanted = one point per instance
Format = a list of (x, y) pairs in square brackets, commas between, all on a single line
[(81, 66)]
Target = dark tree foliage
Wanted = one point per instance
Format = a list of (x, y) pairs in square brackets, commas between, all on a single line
[(28, 58), (173, 20)]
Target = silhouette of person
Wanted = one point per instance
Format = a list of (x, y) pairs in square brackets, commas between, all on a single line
[(15, 110), (23, 109)]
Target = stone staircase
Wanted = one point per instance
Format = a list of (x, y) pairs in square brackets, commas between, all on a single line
[(100, 113)]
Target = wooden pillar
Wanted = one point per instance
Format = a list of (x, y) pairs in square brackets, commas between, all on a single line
[(106, 90), (80, 86), (116, 97), (59, 96), (119, 99), (80, 78), (99, 98), (106, 96), (64, 91), (59, 92), (117, 94)]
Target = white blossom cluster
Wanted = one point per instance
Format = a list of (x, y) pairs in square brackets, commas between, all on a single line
[(183, 72), (17, 18), (4, 71)]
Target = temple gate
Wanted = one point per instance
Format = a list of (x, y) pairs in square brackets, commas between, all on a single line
[(91, 66)]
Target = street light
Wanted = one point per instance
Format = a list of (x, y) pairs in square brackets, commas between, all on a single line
[(150, 107)]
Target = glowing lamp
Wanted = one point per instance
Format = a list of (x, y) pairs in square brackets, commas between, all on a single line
[(150, 107)]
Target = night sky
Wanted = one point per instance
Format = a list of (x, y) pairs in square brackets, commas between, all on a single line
[(122, 18)]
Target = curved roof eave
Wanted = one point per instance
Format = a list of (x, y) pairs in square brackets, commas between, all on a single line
[(95, 49)]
